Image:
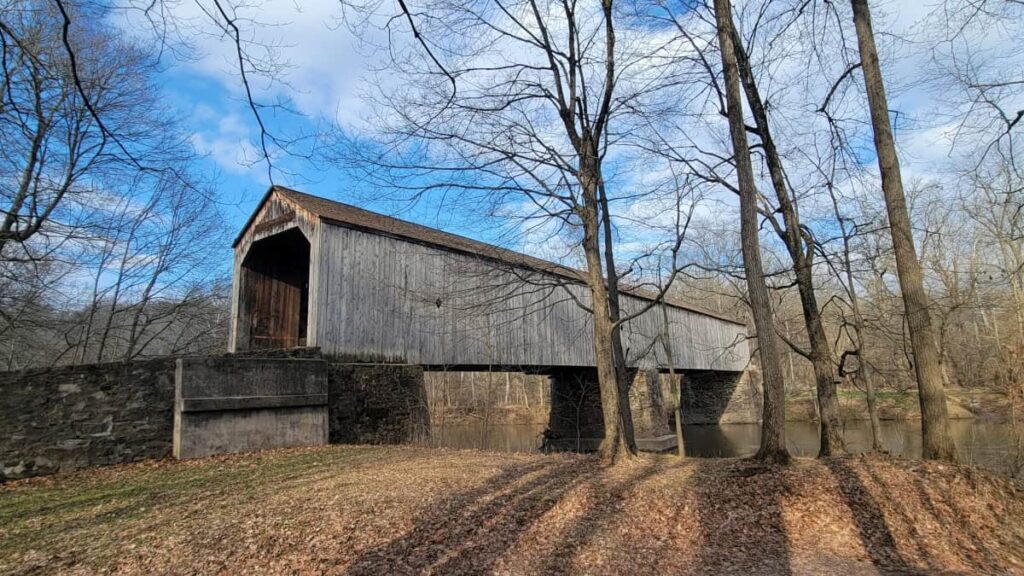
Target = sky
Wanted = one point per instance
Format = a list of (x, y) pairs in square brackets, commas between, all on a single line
[(324, 70)]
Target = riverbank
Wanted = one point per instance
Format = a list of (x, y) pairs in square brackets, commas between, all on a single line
[(904, 405), (404, 510)]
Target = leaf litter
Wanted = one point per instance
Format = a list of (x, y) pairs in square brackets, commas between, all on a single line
[(411, 510)]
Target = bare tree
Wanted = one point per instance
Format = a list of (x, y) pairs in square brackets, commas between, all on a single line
[(50, 137), (937, 441), (974, 64), (800, 245), (99, 182), (856, 324), (773, 426), (528, 110)]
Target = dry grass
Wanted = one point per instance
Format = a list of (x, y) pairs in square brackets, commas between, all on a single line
[(404, 510)]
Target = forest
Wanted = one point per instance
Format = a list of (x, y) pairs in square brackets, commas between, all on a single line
[(846, 177)]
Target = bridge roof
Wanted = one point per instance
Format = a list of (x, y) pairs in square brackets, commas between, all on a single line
[(343, 214)]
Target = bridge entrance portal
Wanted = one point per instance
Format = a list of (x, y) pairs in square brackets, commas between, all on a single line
[(274, 292)]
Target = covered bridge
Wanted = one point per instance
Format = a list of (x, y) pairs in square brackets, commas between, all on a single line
[(313, 272)]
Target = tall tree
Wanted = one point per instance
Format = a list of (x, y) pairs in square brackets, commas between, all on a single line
[(530, 110), (773, 423), (800, 247), (937, 440), (855, 326)]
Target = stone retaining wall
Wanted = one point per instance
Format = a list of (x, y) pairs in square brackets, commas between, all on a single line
[(708, 397), (720, 397), (72, 417), (78, 416), (576, 421)]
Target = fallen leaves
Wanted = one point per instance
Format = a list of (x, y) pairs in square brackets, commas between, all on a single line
[(407, 510)]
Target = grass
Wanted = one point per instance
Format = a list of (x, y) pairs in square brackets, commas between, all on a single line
[(98, 512), (371, 510)]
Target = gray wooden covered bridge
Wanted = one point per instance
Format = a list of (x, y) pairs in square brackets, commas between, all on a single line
[(313, 272)]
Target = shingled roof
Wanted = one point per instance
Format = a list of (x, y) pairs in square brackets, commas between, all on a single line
[(347, 215)]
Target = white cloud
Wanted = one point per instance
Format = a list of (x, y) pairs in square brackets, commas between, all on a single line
[(302, 53), (325, 70), (228, 142)]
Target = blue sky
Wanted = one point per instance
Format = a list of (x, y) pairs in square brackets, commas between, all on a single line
[(208, 94), (325, 70)]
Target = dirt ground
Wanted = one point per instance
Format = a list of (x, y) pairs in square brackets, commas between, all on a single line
[(406, 510)]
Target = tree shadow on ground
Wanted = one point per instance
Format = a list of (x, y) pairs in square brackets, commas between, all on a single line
[(603, 507), (872, 527), (473, 529), (756, 543), (965, 535)]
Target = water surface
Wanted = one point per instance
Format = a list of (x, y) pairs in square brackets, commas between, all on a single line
[(985, 443)]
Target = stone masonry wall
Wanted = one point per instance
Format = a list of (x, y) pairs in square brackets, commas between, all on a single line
[(376, 403), (369, 401), (73, 417), (708, 398), (78, 416), (648, 403), (576, 421), (719, 397)]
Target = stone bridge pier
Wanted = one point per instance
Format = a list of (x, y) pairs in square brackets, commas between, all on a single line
[(708, 397)]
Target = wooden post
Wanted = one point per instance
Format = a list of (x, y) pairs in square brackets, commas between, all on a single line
[(679, 413)]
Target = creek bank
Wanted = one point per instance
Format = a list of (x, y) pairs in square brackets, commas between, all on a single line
[(904, 405)]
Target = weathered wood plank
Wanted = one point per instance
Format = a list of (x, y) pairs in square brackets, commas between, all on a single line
[(387, 297), (371, 293)]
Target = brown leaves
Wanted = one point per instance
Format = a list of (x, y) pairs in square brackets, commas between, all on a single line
[(405, 510)]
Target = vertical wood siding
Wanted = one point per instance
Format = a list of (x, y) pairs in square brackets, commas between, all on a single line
[(387, 297)]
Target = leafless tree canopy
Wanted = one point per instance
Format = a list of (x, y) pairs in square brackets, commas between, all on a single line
[(594, 134), (105, 223)]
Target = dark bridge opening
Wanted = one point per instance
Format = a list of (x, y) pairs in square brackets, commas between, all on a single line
[(274, 293)]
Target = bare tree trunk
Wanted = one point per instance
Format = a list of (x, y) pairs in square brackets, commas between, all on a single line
[(862, 373), (677, 386), (614, 314), (869, 390), (618, 439), (773, 423), (801, 252), (937, 441), (789, 354)]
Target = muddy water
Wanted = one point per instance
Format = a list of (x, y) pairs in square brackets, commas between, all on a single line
[(984, 443)]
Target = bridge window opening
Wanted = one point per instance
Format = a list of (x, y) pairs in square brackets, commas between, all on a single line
[(274, 293)]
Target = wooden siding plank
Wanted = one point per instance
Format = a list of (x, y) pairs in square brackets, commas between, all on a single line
[(379, 296)]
